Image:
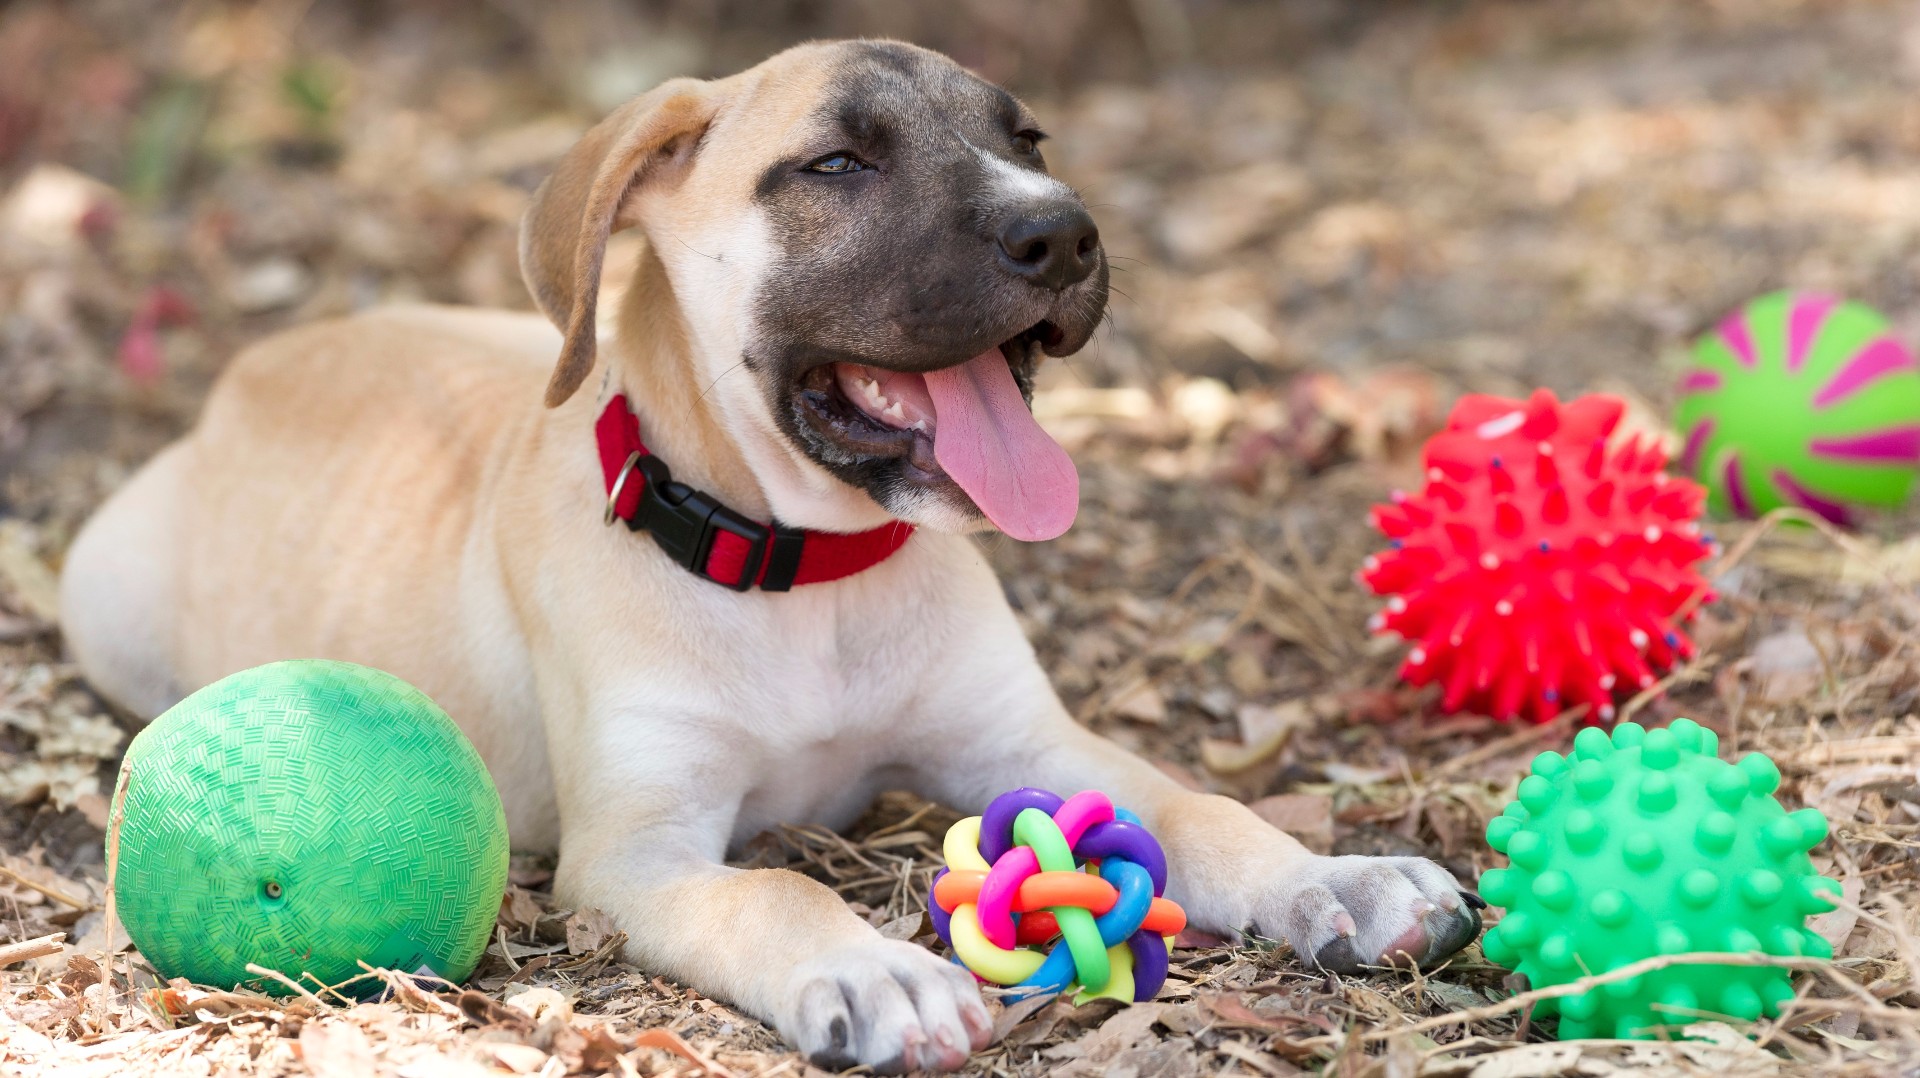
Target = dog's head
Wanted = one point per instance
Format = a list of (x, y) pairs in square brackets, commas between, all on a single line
[(870, 258)]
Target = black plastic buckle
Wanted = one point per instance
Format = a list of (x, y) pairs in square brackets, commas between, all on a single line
[(684, 521)]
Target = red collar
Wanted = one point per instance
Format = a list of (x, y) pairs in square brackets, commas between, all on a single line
[(708, 539)]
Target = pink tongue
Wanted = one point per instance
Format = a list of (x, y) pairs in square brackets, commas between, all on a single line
[(987, 440)]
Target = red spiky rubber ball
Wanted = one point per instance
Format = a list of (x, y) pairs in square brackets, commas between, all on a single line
[(1545, 564)]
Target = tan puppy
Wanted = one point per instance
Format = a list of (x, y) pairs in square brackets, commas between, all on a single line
[(855, 258)]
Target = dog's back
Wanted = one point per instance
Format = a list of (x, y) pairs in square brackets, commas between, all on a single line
[(402, 407)]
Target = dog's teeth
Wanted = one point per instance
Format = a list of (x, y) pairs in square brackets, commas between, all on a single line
[(896, 411)]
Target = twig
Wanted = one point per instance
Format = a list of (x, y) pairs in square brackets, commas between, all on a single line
[(668, 1041), (406, 987), (121, 787), (261, 971), (506, 952), (1571, 988), (51, 892), (1847, 543), (26, 950), (1513, 741)]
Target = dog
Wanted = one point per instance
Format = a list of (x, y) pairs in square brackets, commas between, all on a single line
[(854, 259)]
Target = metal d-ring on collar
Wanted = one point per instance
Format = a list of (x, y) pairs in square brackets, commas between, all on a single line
[(619, 484)]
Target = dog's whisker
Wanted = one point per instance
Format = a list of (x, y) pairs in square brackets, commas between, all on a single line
[(717, 258), (716, 379)]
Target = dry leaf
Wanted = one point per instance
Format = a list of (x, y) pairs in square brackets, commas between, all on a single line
[(519, 911), (1307, 817), (906, 928), (518, 1058), (63, 781), (588, 929), (336, 1049), (1836, 925), (1232, 1010), (484, 1011), (24, 577), (1142, 703), (1124, 1029), (539, 1003)]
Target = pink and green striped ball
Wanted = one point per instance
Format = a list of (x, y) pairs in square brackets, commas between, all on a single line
[(1800, 399)]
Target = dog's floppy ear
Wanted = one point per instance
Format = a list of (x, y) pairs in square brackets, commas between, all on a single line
[(563, 237)]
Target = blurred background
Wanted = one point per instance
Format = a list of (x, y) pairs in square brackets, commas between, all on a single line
[(1409, 195), (1328, 218)]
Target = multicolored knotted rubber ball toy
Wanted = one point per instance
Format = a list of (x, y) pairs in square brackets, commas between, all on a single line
[(1041, 894)]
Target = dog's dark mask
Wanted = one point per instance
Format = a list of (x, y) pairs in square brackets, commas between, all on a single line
[(917, 240)]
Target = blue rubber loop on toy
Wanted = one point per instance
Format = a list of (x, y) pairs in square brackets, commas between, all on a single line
[(1127, 841), (1119, 923), (1135, 885), (1053, 975), (996, 824)]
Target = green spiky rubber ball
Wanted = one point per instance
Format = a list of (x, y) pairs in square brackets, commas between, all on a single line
[(1646, 843), (307, 816)]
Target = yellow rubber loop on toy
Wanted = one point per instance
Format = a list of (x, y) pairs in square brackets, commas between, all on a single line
[(1120, 984), (962, 847), (1036, 829), (980, 955)]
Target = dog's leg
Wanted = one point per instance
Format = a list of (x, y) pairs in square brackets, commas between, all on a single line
[(644, 828), (1230, 869)]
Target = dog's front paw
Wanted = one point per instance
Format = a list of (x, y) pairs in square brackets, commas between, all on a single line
[(888, 1004), (1342, 913)]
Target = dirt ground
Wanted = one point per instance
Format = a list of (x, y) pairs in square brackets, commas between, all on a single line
[(1327, 219)]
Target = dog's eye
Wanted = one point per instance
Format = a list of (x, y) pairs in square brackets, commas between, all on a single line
[(835, 163), (1026, 143)]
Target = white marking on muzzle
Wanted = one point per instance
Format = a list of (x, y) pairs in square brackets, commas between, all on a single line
[(1020, 184)]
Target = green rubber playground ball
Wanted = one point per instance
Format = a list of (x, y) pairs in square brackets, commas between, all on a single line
[(307, 816)]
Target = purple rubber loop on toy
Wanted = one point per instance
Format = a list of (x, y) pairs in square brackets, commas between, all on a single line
[(997, 893), (1128, 841), (996, 824), (1081, 811), (1149, 964), (942, 920)]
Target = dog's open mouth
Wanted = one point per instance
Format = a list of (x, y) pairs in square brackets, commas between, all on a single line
[(970, 422)]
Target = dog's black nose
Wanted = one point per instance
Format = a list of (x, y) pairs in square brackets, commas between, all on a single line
[(1053, 247)]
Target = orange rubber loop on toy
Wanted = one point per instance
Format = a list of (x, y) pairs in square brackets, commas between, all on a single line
[(1045, 889)]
